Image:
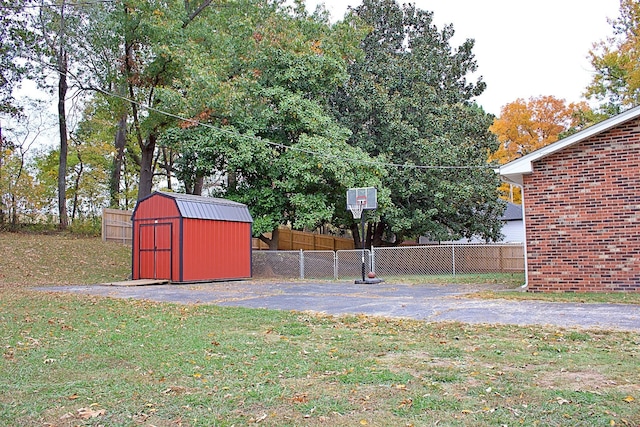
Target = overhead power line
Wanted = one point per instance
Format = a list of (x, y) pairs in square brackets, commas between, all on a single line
[(56, 6), (276, 144)]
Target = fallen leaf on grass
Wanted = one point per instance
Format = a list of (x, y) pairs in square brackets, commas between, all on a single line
[(175, 390), (628, 399), (406, 403), (300, 398), (87, 413)]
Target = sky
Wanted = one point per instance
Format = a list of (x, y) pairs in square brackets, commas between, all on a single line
[(523, 48)]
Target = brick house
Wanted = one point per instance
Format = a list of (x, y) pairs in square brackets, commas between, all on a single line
[(581, 198)]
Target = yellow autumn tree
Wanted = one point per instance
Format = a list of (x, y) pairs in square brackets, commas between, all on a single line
[(616, 60), (526, 126)]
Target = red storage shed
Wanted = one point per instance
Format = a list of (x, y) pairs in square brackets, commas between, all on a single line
[(186, 238)]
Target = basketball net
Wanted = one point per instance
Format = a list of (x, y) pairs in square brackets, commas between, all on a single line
[(356, 210)]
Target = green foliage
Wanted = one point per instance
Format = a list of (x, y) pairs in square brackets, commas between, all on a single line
[(23, 198), (90, 158), (20, 195), (269, 105), (408, 98), (263, 121), (90, 227), (14, 40), (30, 177)]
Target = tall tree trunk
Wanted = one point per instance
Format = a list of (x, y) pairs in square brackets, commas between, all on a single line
[(232, 182), (168, 165), (274, 241), (199, 184), (116, 171), (355, 232), (146, 166), (62, 64), (64, 145), (194, 186), (2, 213), (76, 186), (378, 231), (13, 211)]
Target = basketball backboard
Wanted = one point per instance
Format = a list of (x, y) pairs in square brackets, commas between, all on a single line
[(366, 196)]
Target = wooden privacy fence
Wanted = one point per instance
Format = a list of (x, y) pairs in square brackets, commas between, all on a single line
[(116, 226), (291, 240)]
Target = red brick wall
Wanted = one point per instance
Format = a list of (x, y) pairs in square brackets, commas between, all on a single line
[(582, 212)]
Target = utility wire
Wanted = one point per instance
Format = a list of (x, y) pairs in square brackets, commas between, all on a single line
[(56, 6), (284, 146), (267, 141)]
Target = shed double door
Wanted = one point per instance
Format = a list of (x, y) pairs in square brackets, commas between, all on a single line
[(155, 251)]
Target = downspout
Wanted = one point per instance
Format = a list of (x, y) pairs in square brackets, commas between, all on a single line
[(503, 178)]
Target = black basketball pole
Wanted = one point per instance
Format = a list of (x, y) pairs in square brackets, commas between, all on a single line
[(362, 227)]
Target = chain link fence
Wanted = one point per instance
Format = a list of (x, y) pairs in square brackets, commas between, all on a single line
[(396, 261), (349, 263)]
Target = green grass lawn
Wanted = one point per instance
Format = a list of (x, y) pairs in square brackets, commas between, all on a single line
[(79, 360), (72, 360)]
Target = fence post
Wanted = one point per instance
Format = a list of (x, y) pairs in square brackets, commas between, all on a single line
[(335, 264), (104, 227), (301, 264), (453, 259)]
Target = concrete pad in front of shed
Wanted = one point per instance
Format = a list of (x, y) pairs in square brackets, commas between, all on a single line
[(139, 282)]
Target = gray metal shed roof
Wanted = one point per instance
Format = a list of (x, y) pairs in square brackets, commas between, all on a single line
[(199, 207)]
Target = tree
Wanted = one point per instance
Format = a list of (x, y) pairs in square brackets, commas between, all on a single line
[(21, 196), (616, 60), (100, 74), (263, 128), (15, 38), (526, 126), (153, 38), (89, 161), (408, 98), (54, 24)]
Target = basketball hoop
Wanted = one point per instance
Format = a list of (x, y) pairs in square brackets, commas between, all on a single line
[(357, 208), (358, 200)]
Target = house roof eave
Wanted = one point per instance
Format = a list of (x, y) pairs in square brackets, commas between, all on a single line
[(515, 179), (513, 171)]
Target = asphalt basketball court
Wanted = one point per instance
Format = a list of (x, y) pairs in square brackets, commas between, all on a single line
[(431, 303)]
